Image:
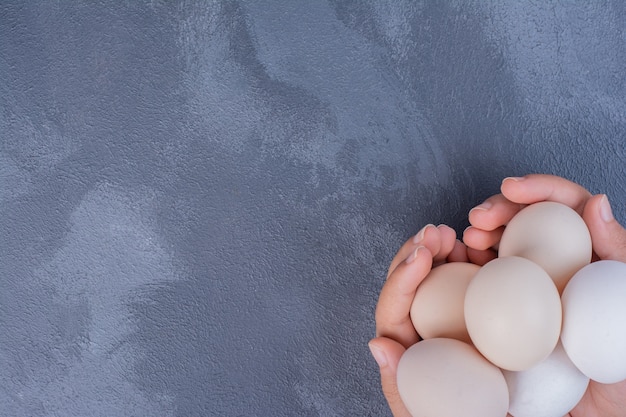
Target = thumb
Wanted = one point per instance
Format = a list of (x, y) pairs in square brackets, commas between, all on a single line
[(608, 237), (387, 353)]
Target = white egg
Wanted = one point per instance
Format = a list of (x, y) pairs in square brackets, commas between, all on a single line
[(553, 236), (513, 313), (594, 321), (445, 377), (437, 309), (551, 388)]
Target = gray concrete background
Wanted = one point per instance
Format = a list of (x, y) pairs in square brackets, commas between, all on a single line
[(199, 200)]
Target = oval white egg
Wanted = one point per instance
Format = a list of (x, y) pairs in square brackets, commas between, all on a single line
[(513, 313), (437, 309), (553, 236), (552, 388), (594, 321), (446, 377)]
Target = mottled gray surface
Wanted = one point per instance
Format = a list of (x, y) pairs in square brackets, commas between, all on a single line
[(198, 201)]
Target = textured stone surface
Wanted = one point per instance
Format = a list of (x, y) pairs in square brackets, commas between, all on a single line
[(198, 201)]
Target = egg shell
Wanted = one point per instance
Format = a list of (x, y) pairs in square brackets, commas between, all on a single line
[(513, 313), (437, 309), (594, 321), (552, 388), (553, 236), (446, 377)]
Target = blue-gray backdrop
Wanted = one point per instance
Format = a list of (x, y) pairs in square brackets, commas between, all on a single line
[(199, 199)]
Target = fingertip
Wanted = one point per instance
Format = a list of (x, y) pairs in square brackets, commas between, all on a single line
[(421, 255), (447, 235), (421, 235), (512, 179), (476, 214), (476, 238), (413, 255), (484, 206), (387, 353), (407, 249), (606, 213), (444, 228), (378, 353), (468, 232), (481, 240), (447, 239), (432, 240), (510, 188), (499, 213), (424, 258), (388, 374), (608, 237)]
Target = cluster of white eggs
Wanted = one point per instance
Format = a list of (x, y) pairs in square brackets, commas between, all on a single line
[(523, 334)]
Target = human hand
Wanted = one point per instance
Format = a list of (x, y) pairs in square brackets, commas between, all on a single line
[(431, 247), (489, 219), (608, 237)]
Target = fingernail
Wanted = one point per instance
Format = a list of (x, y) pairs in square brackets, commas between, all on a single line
[(413, 255), (379, 355), (443, 226), (516, 179), (605, 209), (420, 235), (484, 206)]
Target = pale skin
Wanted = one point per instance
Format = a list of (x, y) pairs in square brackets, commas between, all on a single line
[(436, 245)]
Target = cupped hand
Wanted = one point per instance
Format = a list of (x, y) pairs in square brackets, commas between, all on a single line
[(432, 246), (608, 238), (488, 219)]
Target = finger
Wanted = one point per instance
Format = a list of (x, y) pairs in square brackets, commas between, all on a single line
[(494, 212), (387, 354), (481, 257), (447, 237), (540, 187), (396, 297), (458, 253), (410, 245), (608, 237), (480, 239)]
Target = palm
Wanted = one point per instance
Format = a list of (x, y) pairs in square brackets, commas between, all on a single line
[(601, 400)]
